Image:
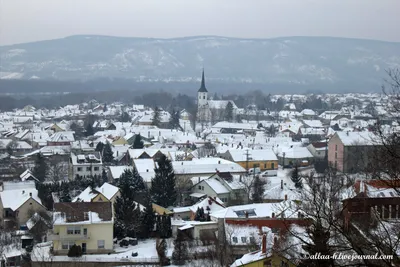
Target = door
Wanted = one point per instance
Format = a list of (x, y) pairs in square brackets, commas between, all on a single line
[(83, 248)]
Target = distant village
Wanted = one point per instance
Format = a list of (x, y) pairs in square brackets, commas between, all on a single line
[(119, 184)]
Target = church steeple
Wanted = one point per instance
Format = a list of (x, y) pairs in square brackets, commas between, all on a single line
[(203, 88)]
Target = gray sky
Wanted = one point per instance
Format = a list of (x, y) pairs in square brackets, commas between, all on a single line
[(32, 20)]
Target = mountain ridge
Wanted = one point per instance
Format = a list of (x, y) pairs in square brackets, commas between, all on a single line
[(305, 60)]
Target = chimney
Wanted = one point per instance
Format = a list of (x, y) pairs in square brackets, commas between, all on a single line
[(264, 244), (282, 184), (219, 162), (199, 179), (246, 214), (273, 215), (30, 194), (147, 170), (285, 197), (23, 191)]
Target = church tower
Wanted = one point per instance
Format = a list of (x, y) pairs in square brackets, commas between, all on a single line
[(202, 94)]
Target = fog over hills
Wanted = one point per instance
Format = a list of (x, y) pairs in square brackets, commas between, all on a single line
[(308, 62)]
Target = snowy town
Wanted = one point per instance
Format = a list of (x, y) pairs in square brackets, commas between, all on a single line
[(117, 184)]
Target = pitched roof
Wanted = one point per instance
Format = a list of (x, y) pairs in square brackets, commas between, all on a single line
[(70, 212)]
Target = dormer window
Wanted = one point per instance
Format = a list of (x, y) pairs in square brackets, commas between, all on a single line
[(86, 216)]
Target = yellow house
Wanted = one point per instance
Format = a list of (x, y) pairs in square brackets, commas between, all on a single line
[(265, 159), (86, 224), (120, 141), (161, 210), (106, 193)]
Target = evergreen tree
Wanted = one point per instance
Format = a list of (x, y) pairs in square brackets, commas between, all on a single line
[(156, 120), (107, 153), (174, 120), (127, 212), (99, 147), (147, 217), (89, 131), (163, 184), (41, 169), (180, 254), (138, 143), (229, 111), (296, 177), (162, 252), (258, 190), (125, 117), (137, 183), (104, 177), (105, 107), (65, 194)]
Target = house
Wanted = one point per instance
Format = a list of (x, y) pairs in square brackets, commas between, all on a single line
[(289, 156), (145, 168), (318, 149), (350, 152), (18, 202), (265, 159), (205, 167), (106, 192), (28, 176), (85, 164), (198, 230), (266, 256), (373, 198), (243, 223), (86, 224), (221, 185), (115, 172), (64, 138)]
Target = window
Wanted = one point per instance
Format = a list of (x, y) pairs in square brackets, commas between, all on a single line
[(199, 187), (265, 165), (96, 168), (88, 169), (79, 169), (335, 155), (244, 239), (73, 230), (70, 230), (272, 165), (86, 216), (100, 243), (204, 97), (335, 147), (234, 239), (199, 97), (252, 240), (67, 244)]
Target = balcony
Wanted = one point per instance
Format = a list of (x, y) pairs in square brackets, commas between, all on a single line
[(56, 236)]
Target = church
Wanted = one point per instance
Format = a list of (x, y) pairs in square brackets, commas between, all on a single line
[(211, 111)]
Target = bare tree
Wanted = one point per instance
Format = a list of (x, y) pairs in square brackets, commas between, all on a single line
[(57, 169)]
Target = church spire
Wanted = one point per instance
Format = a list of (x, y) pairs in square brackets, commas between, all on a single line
[(203, 84)]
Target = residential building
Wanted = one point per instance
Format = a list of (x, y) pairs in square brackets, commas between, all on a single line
[(318, 149), (350, 152), (85, 164), (18, 202), (64, 138), (87, 224), (222, 185), (264, 159), (266, 256)]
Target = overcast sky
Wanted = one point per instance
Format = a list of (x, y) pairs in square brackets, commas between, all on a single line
[(32, 20)]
